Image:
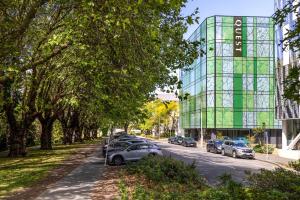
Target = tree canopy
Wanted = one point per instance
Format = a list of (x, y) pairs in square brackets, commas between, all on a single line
[(86, 63)]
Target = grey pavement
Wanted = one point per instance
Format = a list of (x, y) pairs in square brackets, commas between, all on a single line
[(211, 165), (78, 184), (273, 158)]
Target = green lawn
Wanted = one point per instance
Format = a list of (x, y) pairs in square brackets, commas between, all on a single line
[(18, 173)]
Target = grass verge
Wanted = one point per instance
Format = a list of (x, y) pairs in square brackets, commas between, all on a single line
[(20, 173)]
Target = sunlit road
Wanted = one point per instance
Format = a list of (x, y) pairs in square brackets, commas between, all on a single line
[(211, 165)]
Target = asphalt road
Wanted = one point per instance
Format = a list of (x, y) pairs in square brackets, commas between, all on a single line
[(211, 165)]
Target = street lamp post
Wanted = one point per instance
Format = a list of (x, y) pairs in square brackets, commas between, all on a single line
[(201, 136)]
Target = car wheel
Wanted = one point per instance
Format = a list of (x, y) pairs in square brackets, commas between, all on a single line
[(234, 154), (223, 152), (207, 149), (152, 154), (118, 160)]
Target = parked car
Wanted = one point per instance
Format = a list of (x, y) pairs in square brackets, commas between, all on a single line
[(172, 139), (237, 149), (178, 140), (214, 146), (120, 145), (188, 142), (133, 153)]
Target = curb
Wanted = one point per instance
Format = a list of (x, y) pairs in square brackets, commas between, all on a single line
[(274, 163)]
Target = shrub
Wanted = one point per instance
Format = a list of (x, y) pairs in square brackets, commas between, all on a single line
[(166, 169), (276, 184), (295, 165), (263, 148)]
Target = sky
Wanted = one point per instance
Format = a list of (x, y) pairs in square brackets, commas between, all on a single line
[(227, 7)]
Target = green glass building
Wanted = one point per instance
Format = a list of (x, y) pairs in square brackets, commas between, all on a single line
[(231, 88)]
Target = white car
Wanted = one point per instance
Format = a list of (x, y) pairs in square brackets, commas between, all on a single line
[(133, 153)]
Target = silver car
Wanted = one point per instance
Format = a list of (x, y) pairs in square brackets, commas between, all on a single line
[(133, 153), (237, 149)]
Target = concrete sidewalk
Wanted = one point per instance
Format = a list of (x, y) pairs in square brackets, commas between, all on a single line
[(273, 158), (79, 183)]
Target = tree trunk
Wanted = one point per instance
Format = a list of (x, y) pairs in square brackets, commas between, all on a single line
[(126, 127), (17, 143), (86, 134), (46, 136), (17, 133), (94, 134), (78, 135)]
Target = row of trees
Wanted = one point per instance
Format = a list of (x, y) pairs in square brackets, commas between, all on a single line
[(88, 64)]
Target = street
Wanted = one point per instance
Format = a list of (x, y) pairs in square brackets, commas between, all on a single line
[(211, 165)]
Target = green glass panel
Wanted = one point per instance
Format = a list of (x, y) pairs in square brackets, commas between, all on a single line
[(210, 33), (262, 66), (219, 118), (219, 100), (210, 67), (271, 103), (255, 74), (250, 102), (228, 33), (238, 119), (245, 100), (238, 65), (271, 31), (219, 85), (244, 65), (219, 67), (238, 99), (272, 118), (210, 117), (210, 50), (228, 118), (272, 84), (204, 119), (250, 66), (210, 20), (227, 20), (262, 117)]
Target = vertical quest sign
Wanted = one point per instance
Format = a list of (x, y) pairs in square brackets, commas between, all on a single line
[(238, 40)]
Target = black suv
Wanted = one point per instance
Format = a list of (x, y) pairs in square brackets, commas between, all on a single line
[(214, 146), (189, 142)]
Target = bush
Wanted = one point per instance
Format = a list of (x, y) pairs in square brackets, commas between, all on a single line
[(165, 169), (263, 148), (274, 185), (295, 165)]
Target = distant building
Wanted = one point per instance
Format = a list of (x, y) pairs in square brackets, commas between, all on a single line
[(287, 111), (167, 96), (231, 88)]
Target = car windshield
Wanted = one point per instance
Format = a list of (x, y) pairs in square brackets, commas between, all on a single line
[(240, 145), (219, 142)]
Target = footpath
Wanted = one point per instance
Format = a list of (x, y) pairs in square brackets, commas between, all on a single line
[(78, 184)]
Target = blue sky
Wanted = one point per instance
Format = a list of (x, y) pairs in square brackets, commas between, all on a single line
[(227, 7)]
